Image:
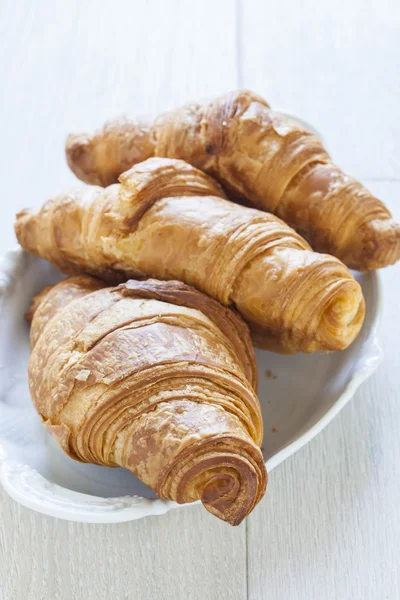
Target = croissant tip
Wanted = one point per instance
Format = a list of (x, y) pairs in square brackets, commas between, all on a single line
[(21, 218), (76, 147), (24, 220), (382, 247), (234, 519), (81, 159)]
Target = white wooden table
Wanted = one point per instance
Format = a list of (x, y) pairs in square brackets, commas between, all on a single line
[(329, 527)]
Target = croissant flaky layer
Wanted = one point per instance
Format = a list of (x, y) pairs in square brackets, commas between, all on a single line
[(154, 377), (263, 158), (171, 221)]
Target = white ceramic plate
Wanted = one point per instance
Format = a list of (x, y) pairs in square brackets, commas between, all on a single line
[(299, 395)]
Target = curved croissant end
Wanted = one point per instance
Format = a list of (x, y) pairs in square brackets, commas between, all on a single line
[(227, 475), (101, 158), (226, 472)]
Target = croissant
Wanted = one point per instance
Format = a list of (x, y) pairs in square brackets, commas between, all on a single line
[(154, 377), (171, 221), (263, 159)]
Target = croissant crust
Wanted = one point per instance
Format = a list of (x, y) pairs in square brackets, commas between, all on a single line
[(154, 377), (264, 159), (171, 221)]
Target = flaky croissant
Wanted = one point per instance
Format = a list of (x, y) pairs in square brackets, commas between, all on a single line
[(171, 221), (263, 159), (154, 377)]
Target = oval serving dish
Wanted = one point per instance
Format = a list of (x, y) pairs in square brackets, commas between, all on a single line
[(299, 395)]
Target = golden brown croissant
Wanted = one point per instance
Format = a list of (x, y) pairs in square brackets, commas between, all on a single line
[(263, 159), (154, 377), (169, 220)]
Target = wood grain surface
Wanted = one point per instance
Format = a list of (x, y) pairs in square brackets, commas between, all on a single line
[(329, 527)]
